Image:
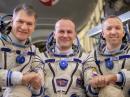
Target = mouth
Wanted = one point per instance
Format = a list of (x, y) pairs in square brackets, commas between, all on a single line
[(23, 32), (113, 36), (65, 39)]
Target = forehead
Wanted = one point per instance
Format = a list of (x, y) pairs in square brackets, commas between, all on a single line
[(65, 24), (22, 14), (112, 22)]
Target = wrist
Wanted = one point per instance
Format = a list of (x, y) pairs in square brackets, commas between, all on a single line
[(24, 82), (114, 78)]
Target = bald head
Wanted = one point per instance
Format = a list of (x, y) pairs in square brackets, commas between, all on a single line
[(63, 22), (110, 19), (113, 32), (64, 33)]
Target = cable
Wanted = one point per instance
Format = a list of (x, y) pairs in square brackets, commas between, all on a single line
[(5, 27)]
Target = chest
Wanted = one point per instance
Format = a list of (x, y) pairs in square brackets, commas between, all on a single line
[(14, 58), (114, 64)]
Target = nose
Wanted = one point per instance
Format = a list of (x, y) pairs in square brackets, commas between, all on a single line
[(65, 34), (113, 31), (24, 26)]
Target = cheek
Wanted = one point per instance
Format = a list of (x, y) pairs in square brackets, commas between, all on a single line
[(106, 34), (123, 34), (14, 29), (58, 37), (73, 36), (31, 30)]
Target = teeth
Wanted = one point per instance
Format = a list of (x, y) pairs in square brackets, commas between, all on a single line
[(22, 32)]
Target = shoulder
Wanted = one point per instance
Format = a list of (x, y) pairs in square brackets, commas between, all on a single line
[(2, 42)]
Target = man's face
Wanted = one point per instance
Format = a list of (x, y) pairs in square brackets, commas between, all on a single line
[(113, 31), (64, 34), (23, 25)]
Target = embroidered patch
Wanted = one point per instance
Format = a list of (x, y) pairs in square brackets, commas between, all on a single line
[(61, 82)]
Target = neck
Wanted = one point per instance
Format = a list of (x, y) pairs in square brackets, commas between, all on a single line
[(15, 40), (63, 50), (112, 48)]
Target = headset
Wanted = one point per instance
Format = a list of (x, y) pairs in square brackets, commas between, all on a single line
[(5, 29), (127, 32), (5, 21), (50, 45)]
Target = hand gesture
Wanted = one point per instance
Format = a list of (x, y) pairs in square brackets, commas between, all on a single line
[(102, 80), (31, 78), (36, 82)]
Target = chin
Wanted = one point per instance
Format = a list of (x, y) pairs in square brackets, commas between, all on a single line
[(115, 43), (65, 46), (21, 38)]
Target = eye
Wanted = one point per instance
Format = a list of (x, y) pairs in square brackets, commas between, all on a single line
[(69, 31), (61, 31), (118, 27), (29, 24), (109, 28), (20, 21)]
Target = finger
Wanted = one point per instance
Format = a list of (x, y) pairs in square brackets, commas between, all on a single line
[(102, 82), (94, 82), (36, 86)]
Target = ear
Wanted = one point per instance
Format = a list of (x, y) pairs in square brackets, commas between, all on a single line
[(54, 34), (11, 21), (75, 35), (123, 33), (102, 34)]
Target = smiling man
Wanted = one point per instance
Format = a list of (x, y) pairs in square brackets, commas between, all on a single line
[(23, 24), (63, 62), (64, 34), (113, 33), (17, 54), (109, 70)]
